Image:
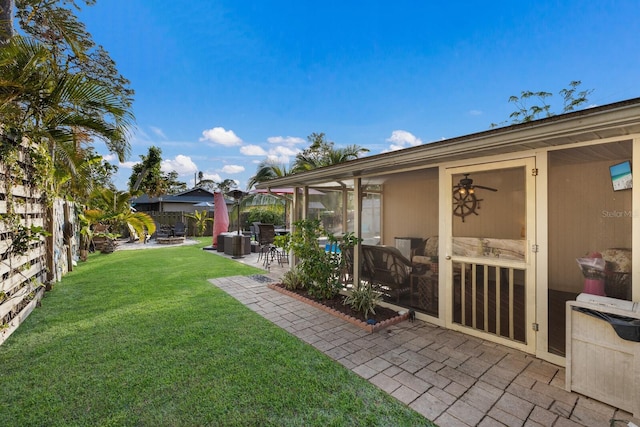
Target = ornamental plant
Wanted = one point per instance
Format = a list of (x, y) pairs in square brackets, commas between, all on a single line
[(363, 299), (321, 268)]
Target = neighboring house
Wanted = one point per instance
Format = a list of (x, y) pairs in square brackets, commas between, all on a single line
[(186, 202), (504, 263)]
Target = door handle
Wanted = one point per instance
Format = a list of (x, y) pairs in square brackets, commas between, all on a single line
[(448, 257)]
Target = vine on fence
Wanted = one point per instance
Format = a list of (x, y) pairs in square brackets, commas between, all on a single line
[(23, 167)]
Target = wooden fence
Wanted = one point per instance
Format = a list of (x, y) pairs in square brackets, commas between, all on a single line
[(171, 218), (22, 259)]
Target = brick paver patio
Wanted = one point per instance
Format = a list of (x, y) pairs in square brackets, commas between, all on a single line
[(451, 378)]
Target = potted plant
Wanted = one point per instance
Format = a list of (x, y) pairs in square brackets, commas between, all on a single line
[(110, 242)]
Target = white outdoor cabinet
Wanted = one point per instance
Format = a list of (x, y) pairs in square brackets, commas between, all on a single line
[(600, 364)]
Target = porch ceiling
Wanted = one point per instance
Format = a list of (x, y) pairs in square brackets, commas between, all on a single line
[(608, 121)]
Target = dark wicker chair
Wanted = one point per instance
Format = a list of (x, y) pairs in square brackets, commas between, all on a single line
[(179, 230), (266, 248), (387, 270)]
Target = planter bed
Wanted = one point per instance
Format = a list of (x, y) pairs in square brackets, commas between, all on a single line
[(349, 318)]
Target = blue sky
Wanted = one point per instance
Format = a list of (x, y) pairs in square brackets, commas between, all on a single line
[(222, 85)]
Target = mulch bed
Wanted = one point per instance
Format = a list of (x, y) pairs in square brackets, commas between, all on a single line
[(383, 316)]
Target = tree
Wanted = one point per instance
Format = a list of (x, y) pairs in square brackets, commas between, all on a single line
[(172, 183), (113, 208), (267, 170), (572, 98), (147, 176), (323, 153), (320, 153), (92, 172), (52, 93), (6, 21), (59, 111), (54, 24), (226, 185), (207, 184)]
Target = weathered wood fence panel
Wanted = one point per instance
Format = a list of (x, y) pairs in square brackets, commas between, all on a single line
[(170, 218), (22, 259)]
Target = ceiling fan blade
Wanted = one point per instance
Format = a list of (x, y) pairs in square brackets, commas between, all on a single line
[(485, 188)]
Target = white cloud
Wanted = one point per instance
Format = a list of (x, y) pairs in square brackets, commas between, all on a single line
[(393, 147), (232, 169), (219, 135), (183, 165), (401, 138), (288, 140), (212, 176), (253, 150), (475, 112), (110, 157), (273, 159), (278, 159), (280, 154), (284, 151), (158, 132), (127, 165)]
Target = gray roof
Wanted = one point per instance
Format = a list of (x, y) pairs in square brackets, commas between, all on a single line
[(191, 197)]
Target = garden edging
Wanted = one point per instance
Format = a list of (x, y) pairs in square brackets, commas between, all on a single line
[(359, 323)]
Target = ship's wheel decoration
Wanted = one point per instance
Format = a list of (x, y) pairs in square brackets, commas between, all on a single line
[(465, 201)]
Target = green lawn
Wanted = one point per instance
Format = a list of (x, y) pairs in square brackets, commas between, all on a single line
[(141, 338)]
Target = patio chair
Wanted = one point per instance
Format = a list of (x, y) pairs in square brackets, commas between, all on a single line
[(162, 230), (387, 269), (179, 230), (425, 257), (266, 238)]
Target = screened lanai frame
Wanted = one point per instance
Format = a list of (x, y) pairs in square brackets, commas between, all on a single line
[(600, 125)]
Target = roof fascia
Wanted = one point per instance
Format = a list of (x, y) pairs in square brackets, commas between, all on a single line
[(612, 120)]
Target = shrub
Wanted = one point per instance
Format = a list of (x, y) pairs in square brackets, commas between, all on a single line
[(320, 268), (293, 279), (265, 215), (364, 299)]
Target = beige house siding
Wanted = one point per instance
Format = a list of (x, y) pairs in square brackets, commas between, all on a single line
[(585, 215), (501, 213), (410, 205)]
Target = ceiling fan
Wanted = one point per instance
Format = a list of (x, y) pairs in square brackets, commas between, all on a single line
[(464, 197), (465, 186)]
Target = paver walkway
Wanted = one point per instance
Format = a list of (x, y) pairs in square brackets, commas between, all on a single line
[(451, 378)]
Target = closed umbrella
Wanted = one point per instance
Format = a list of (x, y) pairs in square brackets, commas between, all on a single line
[(220, 217)]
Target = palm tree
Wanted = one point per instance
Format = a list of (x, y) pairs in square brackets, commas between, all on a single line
[(323, 153), (6, 20), (60, 110), (268, 170), (113, 208)]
